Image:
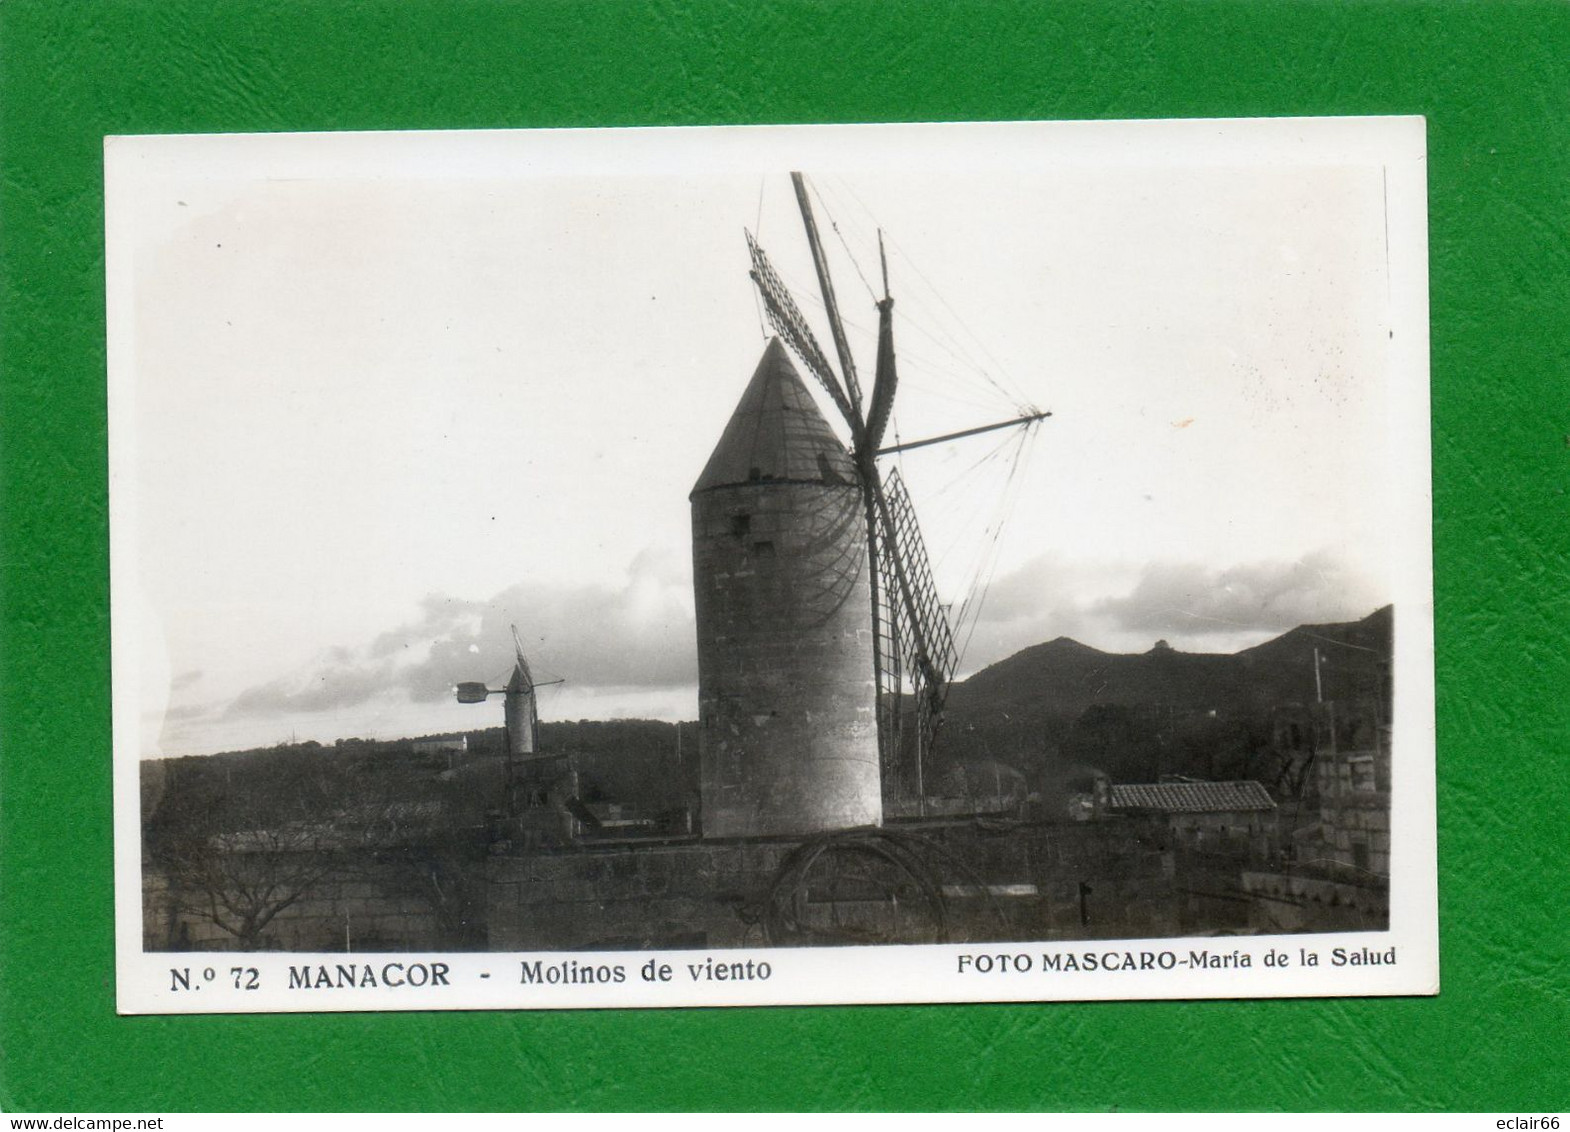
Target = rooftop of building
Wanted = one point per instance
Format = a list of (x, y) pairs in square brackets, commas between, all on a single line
[(1191, 797)]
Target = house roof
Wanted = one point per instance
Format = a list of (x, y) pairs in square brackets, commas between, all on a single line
[(1191, 797), (776, 433)]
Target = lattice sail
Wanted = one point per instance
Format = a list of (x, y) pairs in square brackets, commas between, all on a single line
[(918, 624), (898, 776), (788, 322)]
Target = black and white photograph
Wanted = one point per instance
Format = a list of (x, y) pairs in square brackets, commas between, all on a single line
[(765, 565)]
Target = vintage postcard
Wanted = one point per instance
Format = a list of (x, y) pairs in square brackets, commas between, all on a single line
[(864, 564)]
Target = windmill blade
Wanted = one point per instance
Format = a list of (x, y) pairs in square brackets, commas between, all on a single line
[(884, 380), (927, 639), (826, 285), (788, 323), (522, 668), (919, 629)]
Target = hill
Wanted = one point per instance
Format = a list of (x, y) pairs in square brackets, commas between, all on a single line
[(1050, 711), (1139, 715)]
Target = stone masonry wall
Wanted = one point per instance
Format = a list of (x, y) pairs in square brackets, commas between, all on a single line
[(359, 908), (1091, 880)]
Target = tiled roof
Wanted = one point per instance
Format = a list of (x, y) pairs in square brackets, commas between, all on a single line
[(777, 433), (1191, 797)]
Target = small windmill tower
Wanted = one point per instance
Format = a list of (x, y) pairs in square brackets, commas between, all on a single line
[(519, 705), (520, 710), (817, 612), (541, 777)]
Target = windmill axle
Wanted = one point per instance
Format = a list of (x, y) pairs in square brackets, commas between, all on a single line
[(1025, 419)]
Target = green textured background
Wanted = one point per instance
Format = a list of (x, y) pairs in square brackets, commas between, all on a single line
[(1494, 82)]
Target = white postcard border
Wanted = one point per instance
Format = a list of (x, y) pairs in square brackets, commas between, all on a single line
[(221, 981)]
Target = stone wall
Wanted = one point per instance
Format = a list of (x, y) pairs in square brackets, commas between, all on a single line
[(625, 898), (1117, 878), (1111, 879), (361, 904), (1281, 902), (1356, 833)]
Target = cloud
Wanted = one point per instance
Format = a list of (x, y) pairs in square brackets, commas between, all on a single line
[(1123, 608), (1186, 599), (639, 636), (1042, 599), (339, 681), (185, 680), (635, 642)]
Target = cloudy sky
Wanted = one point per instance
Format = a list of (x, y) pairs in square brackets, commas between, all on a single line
[(375, 398)]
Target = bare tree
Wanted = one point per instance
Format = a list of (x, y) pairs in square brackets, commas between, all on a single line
[(241, 881), (240, 841)]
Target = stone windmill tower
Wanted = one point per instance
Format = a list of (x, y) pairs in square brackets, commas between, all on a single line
[(788, 733)]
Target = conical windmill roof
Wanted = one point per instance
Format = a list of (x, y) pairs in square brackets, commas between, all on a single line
[(776, 433)]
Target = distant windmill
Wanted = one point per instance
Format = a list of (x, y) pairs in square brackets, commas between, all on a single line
[(521, 711), (910, 628)]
